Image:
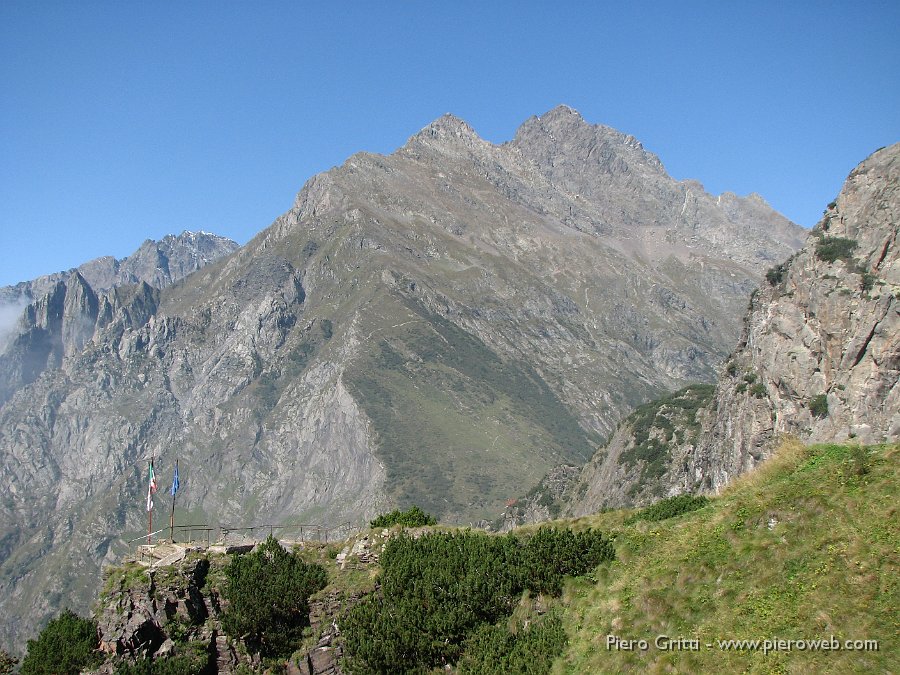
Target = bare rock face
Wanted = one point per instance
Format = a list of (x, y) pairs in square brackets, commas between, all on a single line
[(820, 354), (819, 357), (439, 326)]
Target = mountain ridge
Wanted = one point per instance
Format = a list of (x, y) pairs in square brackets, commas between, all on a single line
[(437, 326)]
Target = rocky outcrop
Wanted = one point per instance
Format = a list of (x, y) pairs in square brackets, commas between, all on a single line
[(545, 501), (819, 357), (176, 610), (633, 468), (438, 326), (161, 612)]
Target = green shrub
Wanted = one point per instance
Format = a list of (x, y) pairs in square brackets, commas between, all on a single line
[(818, 405), (412, 517), (830, 249), (731, 369), (268, 594), (552, 554), (669, 508), (758, 390), (867, 281), (68, 644), (184, 664), (775, 275), (439, 589), (493, 650)]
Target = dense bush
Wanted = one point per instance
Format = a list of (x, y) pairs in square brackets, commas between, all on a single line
[(552, 554), (493, 650), (438, 590), (818, 405), (830, 249), (669, 508), (268, 597), (866, 281), (412, 517), (68, 644), (775, 275)]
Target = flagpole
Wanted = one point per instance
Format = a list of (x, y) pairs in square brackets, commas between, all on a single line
[(150, 510), (172, 517)]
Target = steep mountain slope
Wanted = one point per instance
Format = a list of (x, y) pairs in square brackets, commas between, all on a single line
[(819, 358), (440, 326)]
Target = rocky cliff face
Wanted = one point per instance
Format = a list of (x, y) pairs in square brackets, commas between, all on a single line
[(53, 317), (819, 357), (439, 326)]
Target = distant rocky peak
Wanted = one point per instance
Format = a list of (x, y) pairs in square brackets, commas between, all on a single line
[(446, 133), (562, 134)]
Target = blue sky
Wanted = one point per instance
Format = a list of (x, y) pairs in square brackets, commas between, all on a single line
[(122, 121)]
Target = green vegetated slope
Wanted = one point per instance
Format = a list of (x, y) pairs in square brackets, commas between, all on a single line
[(458, 425), (657, 424), (803, 548)]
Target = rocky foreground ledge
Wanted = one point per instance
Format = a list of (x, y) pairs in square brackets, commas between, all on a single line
[(173, 605)]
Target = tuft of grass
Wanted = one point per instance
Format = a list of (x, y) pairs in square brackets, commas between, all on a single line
[(818, 405)]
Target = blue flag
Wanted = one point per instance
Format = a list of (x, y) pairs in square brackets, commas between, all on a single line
[(175, 482)]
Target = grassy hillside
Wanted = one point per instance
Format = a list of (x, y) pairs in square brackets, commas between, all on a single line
[(806, 547), (460, 429)]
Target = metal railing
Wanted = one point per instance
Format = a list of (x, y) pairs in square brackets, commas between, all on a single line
[(184, 534)]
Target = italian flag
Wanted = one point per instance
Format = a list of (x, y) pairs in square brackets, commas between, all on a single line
[(151, 488)]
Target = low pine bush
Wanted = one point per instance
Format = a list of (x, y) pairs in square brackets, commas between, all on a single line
[(439, 590), (669, 508), (68, 644), (818, 405), (412, 517), (268, 598), (494, 650), (830, 249)]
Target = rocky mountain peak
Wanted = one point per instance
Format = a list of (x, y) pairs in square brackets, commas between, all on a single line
[(563, 130), (447, 132), (436, 326)]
